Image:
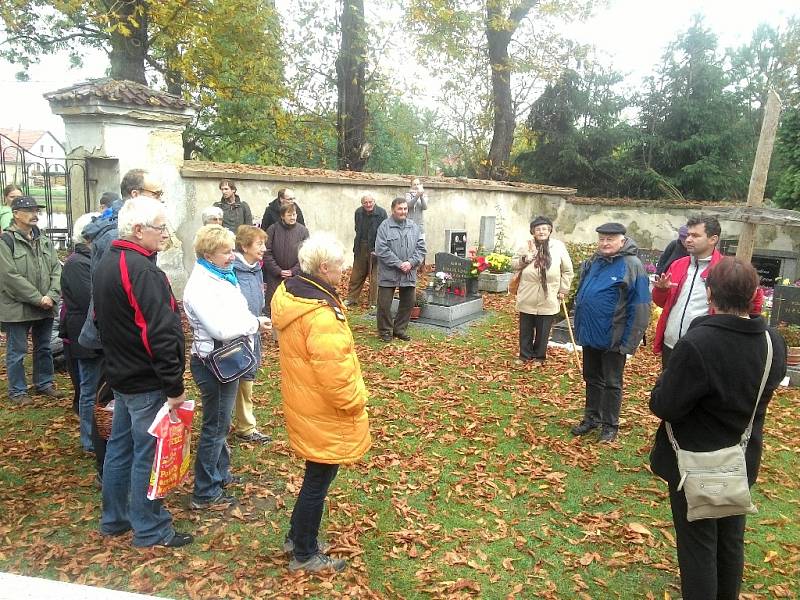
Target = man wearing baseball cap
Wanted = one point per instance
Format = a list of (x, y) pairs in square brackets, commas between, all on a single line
[(31, 276), (612, 310)]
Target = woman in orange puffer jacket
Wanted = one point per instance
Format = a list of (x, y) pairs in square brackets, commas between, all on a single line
[(324, 397)]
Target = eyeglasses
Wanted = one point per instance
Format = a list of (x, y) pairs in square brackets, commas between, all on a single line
[(154, 193), (161, 228)]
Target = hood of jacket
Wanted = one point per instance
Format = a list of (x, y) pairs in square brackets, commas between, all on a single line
[(629, 248), (298, 296), (240, 265)]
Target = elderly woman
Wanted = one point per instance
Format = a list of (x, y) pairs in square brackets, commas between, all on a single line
[(324, 398), (212, 215), (83, 363), (708, 393), (546, 274), (250, 246), (10, 192), (280, 259), (217, 312)]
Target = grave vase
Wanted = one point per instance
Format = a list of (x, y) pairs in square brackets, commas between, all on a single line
[(494, 282), (793, 356)]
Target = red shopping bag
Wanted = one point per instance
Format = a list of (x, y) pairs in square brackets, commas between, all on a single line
[(173, 430)]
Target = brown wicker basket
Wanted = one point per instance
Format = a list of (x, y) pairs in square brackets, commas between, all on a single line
[(103, 417)]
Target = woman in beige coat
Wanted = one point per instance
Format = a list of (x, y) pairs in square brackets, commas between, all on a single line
[(546, 277)]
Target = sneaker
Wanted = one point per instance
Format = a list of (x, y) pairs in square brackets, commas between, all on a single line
[(178, 540), (21, 400), (317, 563), (234, 480), (402, 336), (608, 435), (255, 437), (221, 501), (584, 427), (50, 392), (322, 545)]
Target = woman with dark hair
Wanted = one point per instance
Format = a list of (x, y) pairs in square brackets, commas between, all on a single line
[(546, 275), (708, 393), (280, 258)]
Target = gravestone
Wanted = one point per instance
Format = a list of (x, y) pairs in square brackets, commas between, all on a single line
[(768, 269), (770, 264), (458, 267), (456, 240), (785, 305), (648, 256), (486, 235)]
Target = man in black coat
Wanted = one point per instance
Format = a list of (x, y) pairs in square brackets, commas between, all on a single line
[(144, 345), (674, 250), (365, 264), (272, 214)]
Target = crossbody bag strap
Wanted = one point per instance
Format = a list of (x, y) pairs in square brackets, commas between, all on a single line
[(767, 368), (747, 432)]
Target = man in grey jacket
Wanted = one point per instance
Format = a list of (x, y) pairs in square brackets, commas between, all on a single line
[(400, 248)]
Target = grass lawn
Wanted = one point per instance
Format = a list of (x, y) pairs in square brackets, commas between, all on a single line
[(474, 488)]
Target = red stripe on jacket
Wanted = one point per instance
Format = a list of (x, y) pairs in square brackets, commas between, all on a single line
[(138, 317)]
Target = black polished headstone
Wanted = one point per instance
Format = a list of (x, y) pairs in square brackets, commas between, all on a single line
[(458, 267), (785, 305), (768, 269), (456, 242)]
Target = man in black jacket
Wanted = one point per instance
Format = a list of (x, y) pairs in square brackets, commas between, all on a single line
[(365, 264), (272, 214), (143, 339)]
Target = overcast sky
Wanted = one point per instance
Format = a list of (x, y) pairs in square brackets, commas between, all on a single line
[(632, 33)]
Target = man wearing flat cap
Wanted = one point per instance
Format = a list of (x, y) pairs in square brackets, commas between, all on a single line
[(612, 310), (31, 276)]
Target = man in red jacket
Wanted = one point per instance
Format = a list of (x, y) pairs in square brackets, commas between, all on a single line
[(681, 290)]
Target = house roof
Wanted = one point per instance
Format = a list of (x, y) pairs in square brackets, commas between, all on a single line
[(123, 92), (24, 137)]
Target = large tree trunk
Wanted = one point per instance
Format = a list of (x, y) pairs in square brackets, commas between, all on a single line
[(128, 52), (351, 119), (499, 30)]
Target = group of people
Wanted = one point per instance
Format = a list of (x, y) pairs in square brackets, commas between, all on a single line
[(123, 325), (707, 392)]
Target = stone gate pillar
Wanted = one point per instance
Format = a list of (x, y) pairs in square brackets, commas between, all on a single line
[(115, 126)]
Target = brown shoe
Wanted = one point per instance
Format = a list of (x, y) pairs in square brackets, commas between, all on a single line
[(50, 392), (21, 400)]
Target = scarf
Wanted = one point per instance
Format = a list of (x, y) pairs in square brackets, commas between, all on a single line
[(542, 260), (226, 274)]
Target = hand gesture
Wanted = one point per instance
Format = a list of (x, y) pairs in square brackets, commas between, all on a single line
[(664, 281)]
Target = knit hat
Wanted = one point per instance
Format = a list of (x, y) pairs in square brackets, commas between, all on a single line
[(683, 232)]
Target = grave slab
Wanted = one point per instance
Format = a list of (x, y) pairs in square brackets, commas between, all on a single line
[(450, 311)]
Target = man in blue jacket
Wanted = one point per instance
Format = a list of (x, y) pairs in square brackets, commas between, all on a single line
[(612, 310)]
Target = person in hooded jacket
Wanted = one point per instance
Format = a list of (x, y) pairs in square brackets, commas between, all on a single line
[(235, 211), (323, 392), (250, 247), (84, 363), (612, 311)]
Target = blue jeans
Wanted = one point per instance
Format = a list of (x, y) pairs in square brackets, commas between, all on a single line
[(16, 348), (212, 465), (126, 472), (88, 375), (307, 513)]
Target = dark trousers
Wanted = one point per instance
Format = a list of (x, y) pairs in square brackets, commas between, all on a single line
[(602, 372), (710, 553), (534, 333), (74, 376), (365, 264), (387, 326), (307, 513), (665, 354)]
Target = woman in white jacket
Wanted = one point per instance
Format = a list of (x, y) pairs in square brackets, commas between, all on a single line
[(216, 310), (545, 280)]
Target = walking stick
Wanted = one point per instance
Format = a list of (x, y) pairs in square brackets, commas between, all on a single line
[(572, 337)]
